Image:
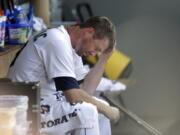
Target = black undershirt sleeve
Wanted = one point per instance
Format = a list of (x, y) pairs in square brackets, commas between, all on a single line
[(66, 83), (80, 81)]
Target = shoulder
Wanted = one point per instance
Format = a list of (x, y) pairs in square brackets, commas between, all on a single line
[(54, 37), (52, 34), (60, 38), (58, 33)]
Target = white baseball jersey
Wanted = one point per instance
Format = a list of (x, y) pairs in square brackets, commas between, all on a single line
[(45, 57)]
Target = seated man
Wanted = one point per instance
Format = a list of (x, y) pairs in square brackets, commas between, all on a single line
[(53, 57)]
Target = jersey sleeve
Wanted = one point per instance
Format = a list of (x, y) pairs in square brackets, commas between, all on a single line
[(57, 57), (66, 83), (80, 70)]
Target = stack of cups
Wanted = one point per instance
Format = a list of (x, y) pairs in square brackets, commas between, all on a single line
[(16, 110), (7, 121)]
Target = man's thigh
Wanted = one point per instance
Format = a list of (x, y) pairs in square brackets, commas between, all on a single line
[(60, 117)]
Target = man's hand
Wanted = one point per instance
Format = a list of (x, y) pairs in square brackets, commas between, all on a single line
[(77, 95), (113, 114), (106, 54), (93, 78)]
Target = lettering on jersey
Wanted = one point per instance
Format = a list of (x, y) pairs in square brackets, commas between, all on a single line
[(55, 122), (45, 109), (42, 34)]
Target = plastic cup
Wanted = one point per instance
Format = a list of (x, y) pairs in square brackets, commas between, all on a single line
[(18, 102), (6, 131), (14, 101), (22, 129), (7, 117)]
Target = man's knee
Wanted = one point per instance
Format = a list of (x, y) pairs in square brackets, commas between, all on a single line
[(89, 107)]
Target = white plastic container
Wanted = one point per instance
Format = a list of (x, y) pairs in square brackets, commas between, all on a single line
[(18, 102), (22, 129), (6, 131), (7, 117), (7, 120)]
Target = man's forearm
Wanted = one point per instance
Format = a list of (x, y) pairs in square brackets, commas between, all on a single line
[(78, 95), (92, 79)]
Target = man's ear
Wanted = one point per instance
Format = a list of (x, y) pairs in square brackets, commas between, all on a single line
[(89, 31)]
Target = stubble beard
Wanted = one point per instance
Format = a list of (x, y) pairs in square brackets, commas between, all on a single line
[(78, 47)]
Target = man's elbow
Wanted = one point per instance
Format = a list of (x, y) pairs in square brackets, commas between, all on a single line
[(73, 95)]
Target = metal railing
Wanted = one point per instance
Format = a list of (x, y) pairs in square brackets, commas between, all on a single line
[(132, 116)]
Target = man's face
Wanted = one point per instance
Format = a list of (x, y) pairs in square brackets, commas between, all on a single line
[(87, 45)]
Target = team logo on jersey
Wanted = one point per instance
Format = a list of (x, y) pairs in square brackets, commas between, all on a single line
[(59, 96), (63, 119), (45, 109)]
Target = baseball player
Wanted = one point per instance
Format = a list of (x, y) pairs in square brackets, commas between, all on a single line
[(53, 57)]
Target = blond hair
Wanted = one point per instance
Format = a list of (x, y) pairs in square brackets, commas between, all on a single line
[(103, 27)]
